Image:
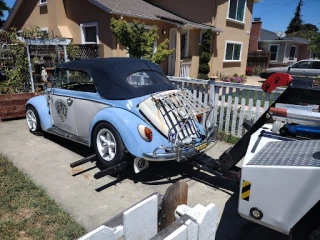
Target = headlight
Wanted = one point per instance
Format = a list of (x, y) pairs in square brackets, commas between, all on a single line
[(145, 133)]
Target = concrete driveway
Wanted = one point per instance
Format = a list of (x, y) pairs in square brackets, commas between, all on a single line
[(91, 202)]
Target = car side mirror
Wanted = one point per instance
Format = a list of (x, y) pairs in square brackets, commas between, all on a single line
[(289, 68)]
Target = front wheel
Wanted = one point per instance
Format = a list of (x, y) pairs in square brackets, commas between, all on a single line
[(108, 145), (33, 120)]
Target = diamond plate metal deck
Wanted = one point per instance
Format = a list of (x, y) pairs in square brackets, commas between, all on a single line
[(305, 153)]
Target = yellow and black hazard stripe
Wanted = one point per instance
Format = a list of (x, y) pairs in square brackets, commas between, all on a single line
[(245, 193)]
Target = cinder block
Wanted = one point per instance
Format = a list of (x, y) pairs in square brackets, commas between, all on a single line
[(180, 234), (141, 221)]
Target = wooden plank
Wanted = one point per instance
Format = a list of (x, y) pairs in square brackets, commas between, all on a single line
[(235, 112), (249, 117), (175, 195), (182, 85), (258, 104), (228, 110), (243, 103), (17, 96), (195, 86), (200, 92), (205, 101), (12, 115), (216, 101), (12, 109), (266, 102), (223, 99), (13, 102)]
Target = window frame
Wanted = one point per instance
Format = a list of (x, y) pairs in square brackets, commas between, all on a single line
[(295, 51), (67, 72), (225, 51), (187, 31), (278, 48), (244, 13), (82, 32), (42, 3)]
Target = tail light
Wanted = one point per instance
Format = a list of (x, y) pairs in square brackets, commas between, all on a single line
[(199, 117), (145, 133)]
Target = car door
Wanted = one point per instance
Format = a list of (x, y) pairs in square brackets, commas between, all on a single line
[(316, 68), (302, 68), (62, 104)]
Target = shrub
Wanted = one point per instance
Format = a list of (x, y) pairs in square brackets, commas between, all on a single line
[(249, 72), (205, 55), (233, 78), (257, 71), (204, 68)]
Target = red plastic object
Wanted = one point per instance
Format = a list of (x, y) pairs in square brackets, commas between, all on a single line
[(276, 80)]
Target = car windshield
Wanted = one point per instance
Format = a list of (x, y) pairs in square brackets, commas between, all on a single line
[(139, 79)]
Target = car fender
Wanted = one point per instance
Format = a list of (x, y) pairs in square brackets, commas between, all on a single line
[(40, 104), (126, 123)]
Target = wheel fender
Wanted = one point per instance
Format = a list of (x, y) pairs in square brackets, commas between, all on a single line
[(40, 104), (126, 123)]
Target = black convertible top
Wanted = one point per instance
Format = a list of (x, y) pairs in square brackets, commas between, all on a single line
[(110, 76)]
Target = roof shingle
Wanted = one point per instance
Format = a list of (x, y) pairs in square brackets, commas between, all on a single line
[(267, 35), (143, 9)]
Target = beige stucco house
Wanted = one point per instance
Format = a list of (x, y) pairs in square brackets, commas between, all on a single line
[(182, 21)]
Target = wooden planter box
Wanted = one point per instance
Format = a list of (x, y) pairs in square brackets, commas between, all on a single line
[(14, 105)]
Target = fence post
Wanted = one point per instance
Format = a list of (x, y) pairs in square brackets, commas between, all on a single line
[(212, 101)]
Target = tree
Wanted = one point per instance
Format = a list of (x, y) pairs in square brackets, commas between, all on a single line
[(296, 22), (205, 55), (309, 27), (3, 7), (139, 41), (314, 45), (306, 34)]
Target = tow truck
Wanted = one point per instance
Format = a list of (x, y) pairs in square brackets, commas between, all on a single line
[(280, 175)]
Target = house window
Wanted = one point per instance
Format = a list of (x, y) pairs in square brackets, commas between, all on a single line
[(233, 51), (237, 9), (274, 50), (43, 2), (292, 52), (184, 44), (89, 33)]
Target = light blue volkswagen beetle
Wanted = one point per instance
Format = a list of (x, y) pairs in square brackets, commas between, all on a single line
[(121, 106)]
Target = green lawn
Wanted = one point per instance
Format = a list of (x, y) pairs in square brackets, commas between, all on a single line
[(27, 212)]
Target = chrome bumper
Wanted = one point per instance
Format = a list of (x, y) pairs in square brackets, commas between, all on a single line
[(180, 152)]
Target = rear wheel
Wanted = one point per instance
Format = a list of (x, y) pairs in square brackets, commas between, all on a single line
[(33, 119), (108, 145)]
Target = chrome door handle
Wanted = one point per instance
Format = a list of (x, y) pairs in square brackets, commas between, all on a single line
[(69, 101)]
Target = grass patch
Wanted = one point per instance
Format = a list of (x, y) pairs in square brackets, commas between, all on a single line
[(222, 136), (27, 212)]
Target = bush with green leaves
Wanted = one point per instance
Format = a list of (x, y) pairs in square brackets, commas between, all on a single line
[(205, 55), (139, 41)]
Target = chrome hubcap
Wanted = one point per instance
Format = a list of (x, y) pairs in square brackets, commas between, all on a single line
[(106, 144), (31, 120)]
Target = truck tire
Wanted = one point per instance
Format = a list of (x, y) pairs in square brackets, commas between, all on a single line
[(315, 235)]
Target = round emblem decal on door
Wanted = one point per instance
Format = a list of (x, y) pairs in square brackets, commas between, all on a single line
[(62, 109)]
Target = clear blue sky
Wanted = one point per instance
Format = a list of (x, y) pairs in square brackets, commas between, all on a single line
[(276, 14)]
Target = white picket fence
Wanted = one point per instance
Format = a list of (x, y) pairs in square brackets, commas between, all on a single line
[(232, 102)]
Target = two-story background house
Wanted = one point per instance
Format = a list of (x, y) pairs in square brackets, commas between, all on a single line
[(182, 21)]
